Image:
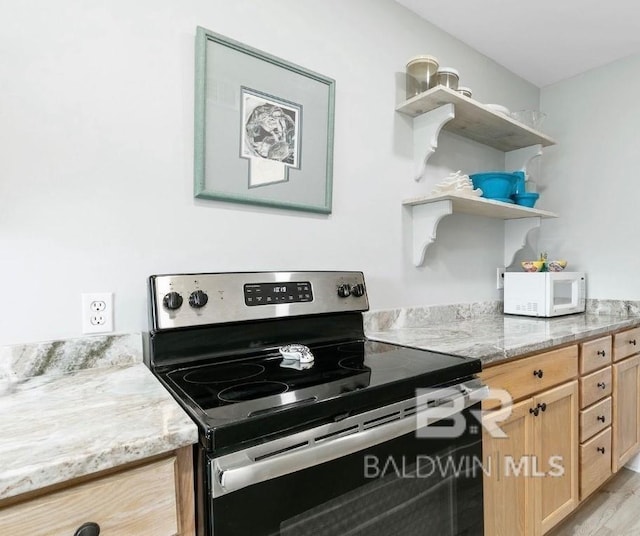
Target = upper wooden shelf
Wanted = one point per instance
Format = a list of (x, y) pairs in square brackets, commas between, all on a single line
[(475, 121)]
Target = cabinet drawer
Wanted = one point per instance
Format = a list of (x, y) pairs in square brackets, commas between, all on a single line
[(626, 343), (595, 419), (595, 386), (530, 375), (595, 354), (595, 462), (140, 501)]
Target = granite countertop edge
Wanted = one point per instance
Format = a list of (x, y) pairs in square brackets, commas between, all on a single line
[(498, 338), (57, 428)]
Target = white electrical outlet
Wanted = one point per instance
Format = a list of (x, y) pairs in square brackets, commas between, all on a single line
[(97, 312), (500, 277)]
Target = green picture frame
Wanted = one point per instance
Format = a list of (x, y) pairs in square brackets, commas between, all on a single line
[(264, 128)]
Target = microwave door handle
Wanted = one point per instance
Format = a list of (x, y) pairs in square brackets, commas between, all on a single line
[(234, 478)]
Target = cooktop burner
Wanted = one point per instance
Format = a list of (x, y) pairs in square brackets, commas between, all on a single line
[(224, 373), (251, 391)]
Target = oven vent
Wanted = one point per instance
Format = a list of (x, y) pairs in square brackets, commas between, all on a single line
[(281, 451), (422, 407), (346, 427), (378, 421), (410, 411), (338, 433)]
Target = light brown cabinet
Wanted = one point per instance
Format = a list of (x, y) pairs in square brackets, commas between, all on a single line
[(626, 410), (595, 354), (533, 481), (154, 499), (596, 386), (595, 418), (626, 343), (595, 462), (575, 408), (556, 446), (503, 483)]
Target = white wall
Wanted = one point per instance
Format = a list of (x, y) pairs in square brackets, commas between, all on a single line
[(592, 179), (96, 165)]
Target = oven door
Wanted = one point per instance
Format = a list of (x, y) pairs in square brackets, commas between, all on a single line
[(410, 468)]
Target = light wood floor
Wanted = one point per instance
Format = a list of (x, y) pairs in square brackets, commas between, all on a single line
[(613, 510)]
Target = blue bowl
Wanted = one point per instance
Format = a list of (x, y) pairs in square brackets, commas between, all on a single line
[(495, 184), (527, 199)]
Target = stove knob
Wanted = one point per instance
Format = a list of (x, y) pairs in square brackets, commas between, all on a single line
[(344, 291), (198, 299), (357, 290), (172, 301)]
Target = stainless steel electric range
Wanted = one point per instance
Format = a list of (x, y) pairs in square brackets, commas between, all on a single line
[(305, 426)]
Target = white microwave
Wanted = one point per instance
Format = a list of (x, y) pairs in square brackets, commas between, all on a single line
[(544, 294)]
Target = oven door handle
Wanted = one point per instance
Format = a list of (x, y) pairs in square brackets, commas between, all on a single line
[(239, 470)]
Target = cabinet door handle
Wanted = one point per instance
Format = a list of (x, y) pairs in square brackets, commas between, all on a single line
[(88, 529), (602, 385), (543, 406), (602, 353), (600, 450), (538, 373), (535, 411), (632, 341), (601, 418)]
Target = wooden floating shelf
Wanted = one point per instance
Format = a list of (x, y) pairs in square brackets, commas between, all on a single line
[(475, 121), (481, 206), (426, 213)]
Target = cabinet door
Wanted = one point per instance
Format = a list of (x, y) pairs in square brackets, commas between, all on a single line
[(507, 486), (140, 501), (626, 417), (555, 482)]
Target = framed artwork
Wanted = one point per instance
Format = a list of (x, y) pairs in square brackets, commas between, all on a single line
[(263, 128)]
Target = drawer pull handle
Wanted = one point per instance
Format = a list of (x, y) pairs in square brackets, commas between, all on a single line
[(535, 411), (601, 418), (88, 529), (601, 450), (538, 373), (543, 406), (602, 385), (632, 341), (602, 353)]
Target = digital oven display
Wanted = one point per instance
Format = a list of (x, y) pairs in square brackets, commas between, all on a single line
[(276, 293)]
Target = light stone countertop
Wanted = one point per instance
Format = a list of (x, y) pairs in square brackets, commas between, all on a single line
[(492, 337), (56, 427)]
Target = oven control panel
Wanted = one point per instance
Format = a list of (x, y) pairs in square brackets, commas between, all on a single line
[(256, 294), (185, 300)]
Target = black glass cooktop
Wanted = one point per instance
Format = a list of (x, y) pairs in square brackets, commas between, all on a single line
[(237, 398)]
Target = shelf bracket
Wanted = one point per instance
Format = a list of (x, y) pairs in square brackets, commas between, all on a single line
[(425, 222), (426, 129), (515, 236)]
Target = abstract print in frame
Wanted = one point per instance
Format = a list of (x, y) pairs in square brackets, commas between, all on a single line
[(263, 128)]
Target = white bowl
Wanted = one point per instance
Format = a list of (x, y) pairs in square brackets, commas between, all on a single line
[(498, 108)]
